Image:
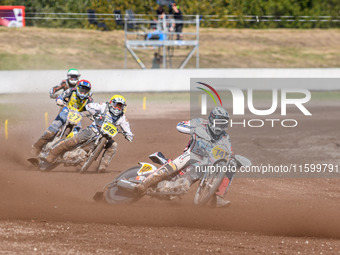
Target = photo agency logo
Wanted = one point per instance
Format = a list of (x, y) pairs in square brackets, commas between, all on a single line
[(295, 97)]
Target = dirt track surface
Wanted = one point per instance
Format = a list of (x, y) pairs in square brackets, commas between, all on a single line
[(53, 213)]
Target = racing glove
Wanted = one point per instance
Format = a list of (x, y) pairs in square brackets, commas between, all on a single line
[(129, 138), (60, 102)]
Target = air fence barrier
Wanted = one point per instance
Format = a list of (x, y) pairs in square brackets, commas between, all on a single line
[(151, 80), (121, 80)]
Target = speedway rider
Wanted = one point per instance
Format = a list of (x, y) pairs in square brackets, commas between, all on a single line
[(114, 111), (208, 130), (73, 98), (71, 82)]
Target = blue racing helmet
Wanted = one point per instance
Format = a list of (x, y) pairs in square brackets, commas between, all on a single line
[(83, 89)]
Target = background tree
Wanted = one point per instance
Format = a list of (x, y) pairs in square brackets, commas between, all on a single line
[(209, 9)]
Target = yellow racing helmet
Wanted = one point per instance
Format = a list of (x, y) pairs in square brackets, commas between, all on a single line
[(117, 105)]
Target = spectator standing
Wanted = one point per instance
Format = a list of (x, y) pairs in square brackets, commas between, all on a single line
[(161, 17), (178, 16), (160, 12), (156, 61)]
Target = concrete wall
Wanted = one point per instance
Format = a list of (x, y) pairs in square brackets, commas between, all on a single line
[(150, 80)]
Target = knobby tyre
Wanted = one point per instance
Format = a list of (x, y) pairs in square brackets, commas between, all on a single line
[(210, 185), (116, 195), (93, 156)]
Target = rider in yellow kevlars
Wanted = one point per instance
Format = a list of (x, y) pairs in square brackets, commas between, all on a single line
[(73, 98)]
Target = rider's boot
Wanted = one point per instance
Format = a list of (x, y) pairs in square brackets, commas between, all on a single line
[(61, 147), (44, 139), (108, 155), (159, 175), (218, 202)]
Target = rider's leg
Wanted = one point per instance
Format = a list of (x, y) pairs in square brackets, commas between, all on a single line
[(68, 144), (108, 155), (218, 201), (164, 171), (50, 132), (48, 136), (60, 147), (44, 139), (160, 174)]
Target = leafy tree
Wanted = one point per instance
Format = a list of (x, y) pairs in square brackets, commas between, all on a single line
[(210, 9)]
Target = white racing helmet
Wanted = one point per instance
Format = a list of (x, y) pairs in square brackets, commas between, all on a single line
[(73, 76), (218, 120)]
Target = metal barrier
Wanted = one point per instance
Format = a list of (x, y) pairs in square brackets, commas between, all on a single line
[(161, 34), (209, 18)]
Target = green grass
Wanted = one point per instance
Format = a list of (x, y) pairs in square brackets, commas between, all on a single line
[(326, 96), (316, 95), (46, 48)]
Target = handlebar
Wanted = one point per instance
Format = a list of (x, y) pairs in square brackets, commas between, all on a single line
[(62, 105), (90, 116), (98, 116)]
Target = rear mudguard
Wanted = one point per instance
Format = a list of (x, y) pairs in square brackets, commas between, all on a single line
[(142, 169)]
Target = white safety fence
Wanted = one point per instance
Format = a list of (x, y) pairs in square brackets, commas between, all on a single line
[(154, 80)]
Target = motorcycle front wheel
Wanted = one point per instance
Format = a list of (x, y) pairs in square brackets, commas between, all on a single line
[(209, 185), (93, 156)]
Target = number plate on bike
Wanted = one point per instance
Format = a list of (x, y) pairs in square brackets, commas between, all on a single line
[(219, 153), (146, 169), (74, 117), (109, 129)]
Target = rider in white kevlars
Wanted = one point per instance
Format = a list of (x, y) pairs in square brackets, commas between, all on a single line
[(200, 130), (114, 112)]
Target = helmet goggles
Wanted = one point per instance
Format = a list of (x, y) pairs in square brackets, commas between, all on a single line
[(218, 120), (117, 105), (83, 90), (73, 77)]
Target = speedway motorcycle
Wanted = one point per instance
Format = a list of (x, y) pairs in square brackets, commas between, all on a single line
[(122, 188), (107, 132), (66, 131), (83, 155)]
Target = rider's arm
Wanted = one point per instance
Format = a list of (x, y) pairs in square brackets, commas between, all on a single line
[(95, 108), (90, 100), (189, 126), (64, 97), (184, 127), (227, 137), (55, 89), (125, 125)]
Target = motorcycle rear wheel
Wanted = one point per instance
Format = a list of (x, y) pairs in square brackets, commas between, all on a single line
[(116, 195)]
